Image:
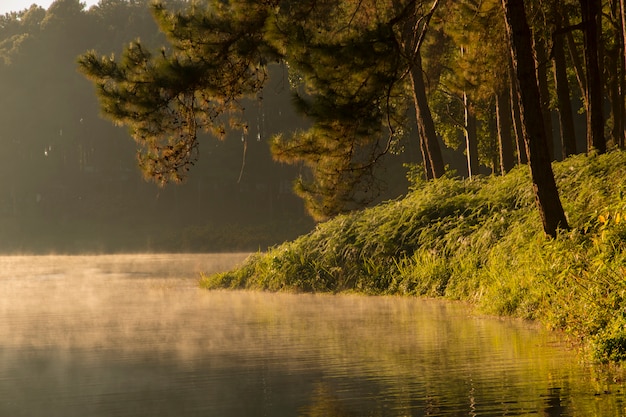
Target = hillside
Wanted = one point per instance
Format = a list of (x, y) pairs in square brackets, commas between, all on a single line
[(478, 241)]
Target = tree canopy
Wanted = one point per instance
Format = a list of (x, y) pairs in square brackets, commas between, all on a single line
[(69, 178), (357, 69)]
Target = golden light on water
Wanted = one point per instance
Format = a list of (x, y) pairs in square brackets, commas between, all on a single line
[(107, 328)]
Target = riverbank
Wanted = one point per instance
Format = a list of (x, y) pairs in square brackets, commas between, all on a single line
[(479, 241)]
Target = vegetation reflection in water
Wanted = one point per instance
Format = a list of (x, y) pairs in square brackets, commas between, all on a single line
[(118, 335)]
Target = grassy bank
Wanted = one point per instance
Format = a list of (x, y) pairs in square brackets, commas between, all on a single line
[(479, 241)]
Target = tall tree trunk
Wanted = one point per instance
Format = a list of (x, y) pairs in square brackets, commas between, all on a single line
[(564, 103), (414, 29), (613, 70), (522, 158), (622, 78), (622, 12), (546, 193), (576, 60), (471, 138), (503, 121), (590, 11), (428, 170), (494, 144), (541, 60), (425, 123), (622, 143), (622, 88)]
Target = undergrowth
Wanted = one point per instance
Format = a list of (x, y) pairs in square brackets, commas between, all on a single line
[(480, 241)]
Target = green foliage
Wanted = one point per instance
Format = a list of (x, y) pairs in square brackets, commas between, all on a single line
[(478, 241), (348, 78), (216, 59), (349, 74), (467, 56), (69, 178)]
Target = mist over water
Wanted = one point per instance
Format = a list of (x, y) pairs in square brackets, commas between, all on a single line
[(132, 335), (119, 301)]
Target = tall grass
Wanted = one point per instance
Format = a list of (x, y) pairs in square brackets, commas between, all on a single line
[(480, 241)]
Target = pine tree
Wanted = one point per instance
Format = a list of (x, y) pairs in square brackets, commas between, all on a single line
[(590, 12), (546, 193), (561, 83), (473, 75), (216, 59), (352, 76)]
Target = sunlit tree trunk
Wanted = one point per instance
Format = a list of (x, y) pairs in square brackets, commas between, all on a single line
[(503, 122), (414, 28), (546, 193), (471, 138), (428, 170), (576, 59), (522, 158), (425, 123)]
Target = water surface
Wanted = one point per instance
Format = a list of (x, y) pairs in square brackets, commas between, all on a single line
[(132, 335)]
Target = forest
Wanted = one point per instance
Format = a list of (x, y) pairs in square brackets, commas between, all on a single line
[(463, 149), (515, 109), (501, 82), (70, 181), (349, 98)]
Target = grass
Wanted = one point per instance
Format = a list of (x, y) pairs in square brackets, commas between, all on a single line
[(479, 241)]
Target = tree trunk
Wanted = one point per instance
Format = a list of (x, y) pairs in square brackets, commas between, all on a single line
[(522, 158), (494, 144), (414, 28), (564, 103), (428, 170), (505, 140), (541, 60), (471, 139), (622, 82), (613, 71), (546, 193), (576, 60), (622, 12), (425, 123), (590, 11)]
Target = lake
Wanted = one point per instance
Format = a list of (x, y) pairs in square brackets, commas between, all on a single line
[(132, 335)]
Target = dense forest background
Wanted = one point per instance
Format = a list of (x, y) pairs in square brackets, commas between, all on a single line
[(69, 179)]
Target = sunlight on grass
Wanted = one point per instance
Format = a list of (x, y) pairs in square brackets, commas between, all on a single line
[(479, 241)]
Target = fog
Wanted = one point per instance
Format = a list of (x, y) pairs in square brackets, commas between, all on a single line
[(134, 335), (125, 302), (69, 181), (7, 6)]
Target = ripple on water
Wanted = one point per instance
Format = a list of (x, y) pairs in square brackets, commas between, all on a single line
[(132, 335)]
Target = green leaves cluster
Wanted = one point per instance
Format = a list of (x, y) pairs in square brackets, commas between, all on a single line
[(349, 74), (63, 162), (164, 99), (356, 69)]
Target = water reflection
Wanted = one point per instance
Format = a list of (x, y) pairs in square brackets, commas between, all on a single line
[(553, 402), (132, 335)]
